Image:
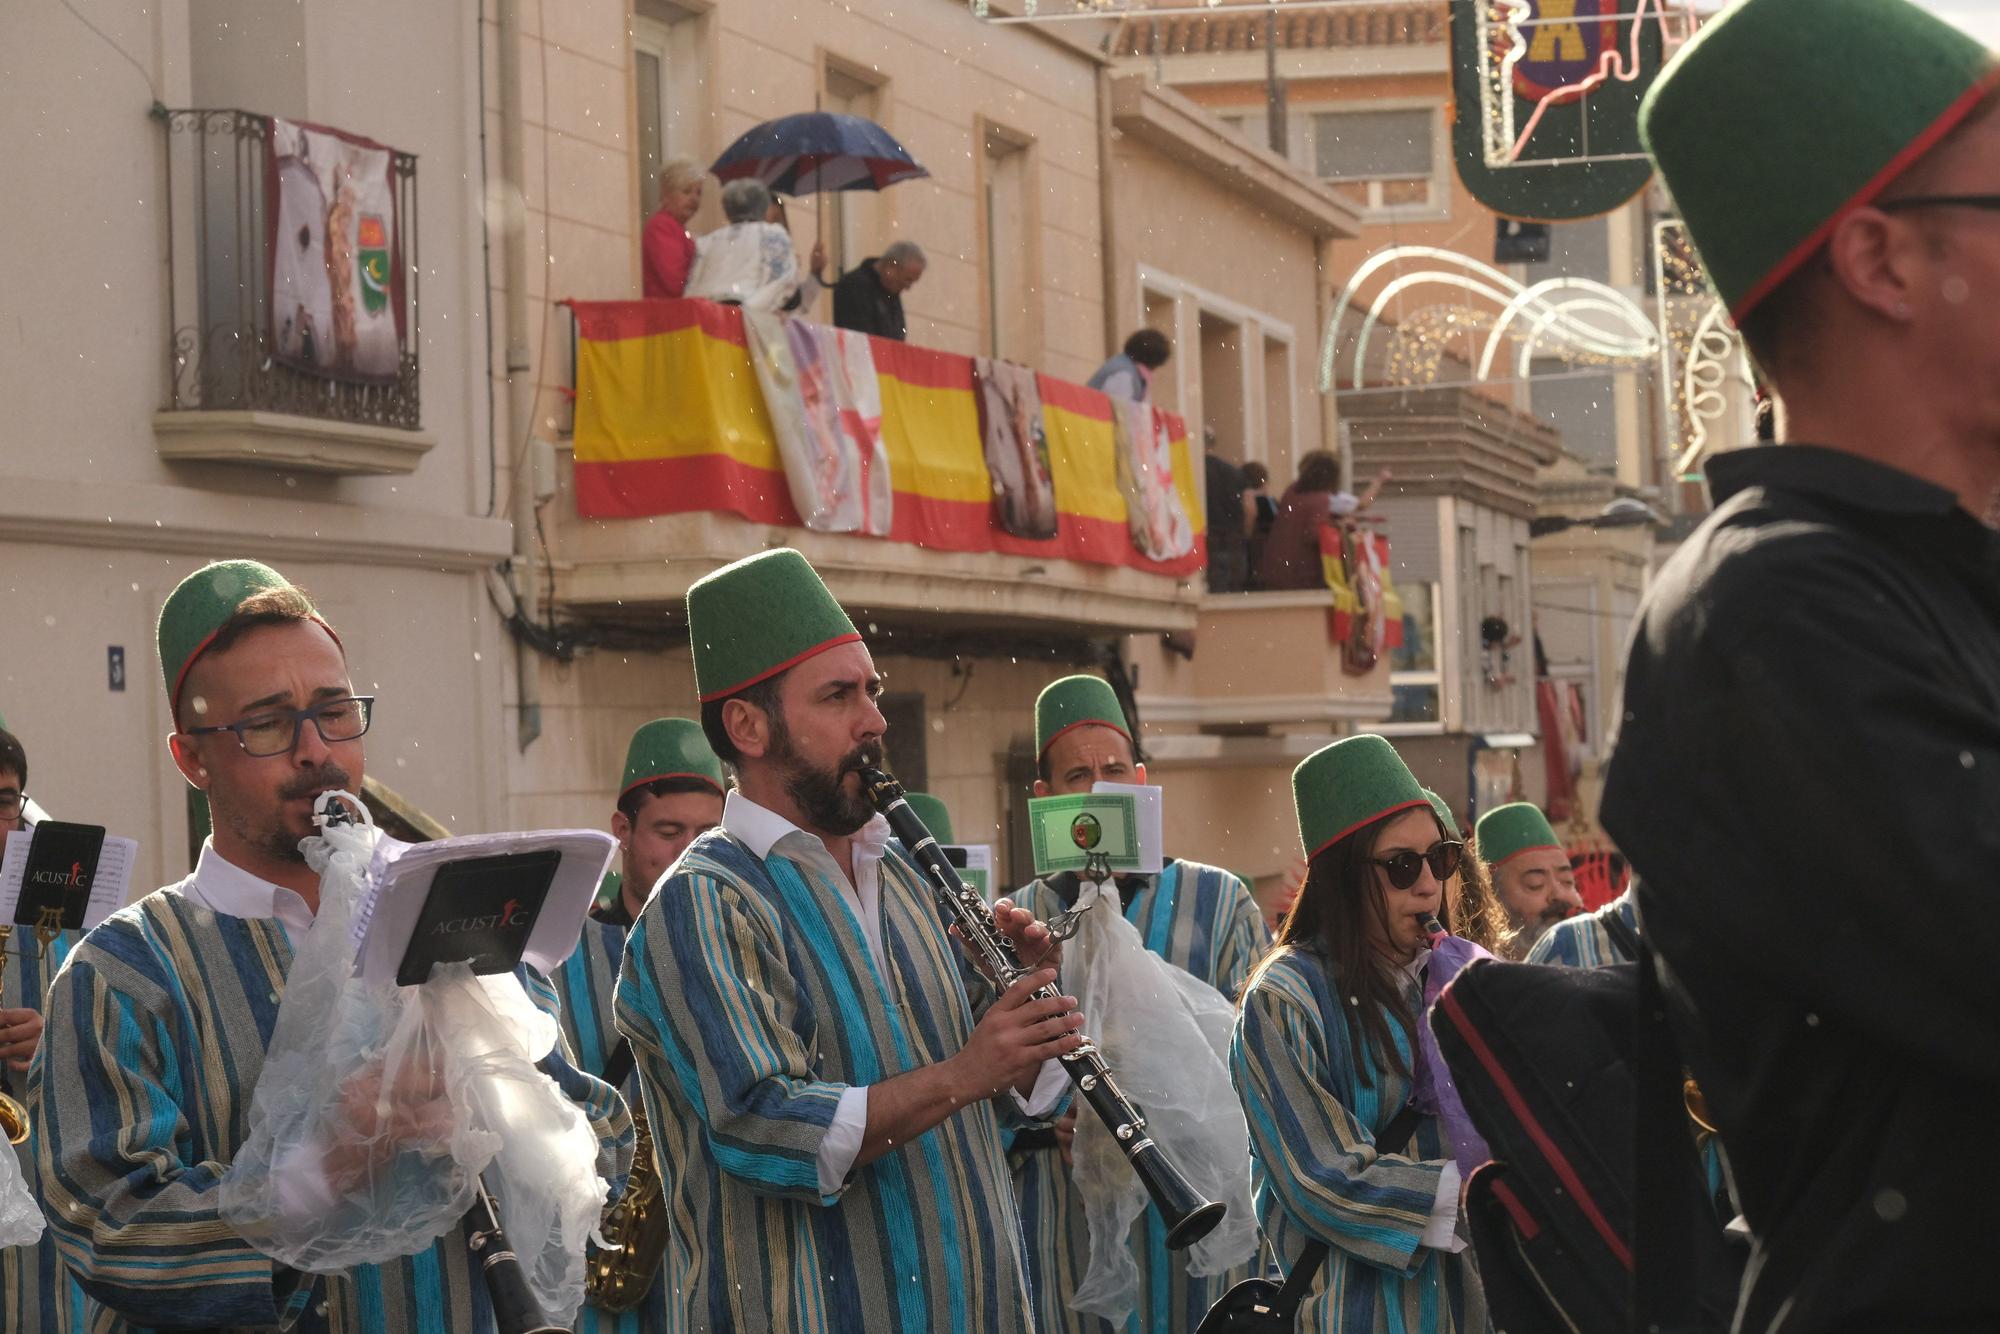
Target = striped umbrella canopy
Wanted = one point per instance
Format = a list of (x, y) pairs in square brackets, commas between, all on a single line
[(817, 151)]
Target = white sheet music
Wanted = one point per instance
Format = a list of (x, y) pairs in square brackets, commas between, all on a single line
[(107, 891), (1152, 822)]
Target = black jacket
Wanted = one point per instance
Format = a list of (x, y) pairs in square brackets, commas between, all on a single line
[(861, 302), (1807, 779)]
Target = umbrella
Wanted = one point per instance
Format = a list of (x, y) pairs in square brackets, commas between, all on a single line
[(816, 151)]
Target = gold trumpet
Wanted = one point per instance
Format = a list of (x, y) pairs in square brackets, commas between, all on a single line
[(14, 1123)]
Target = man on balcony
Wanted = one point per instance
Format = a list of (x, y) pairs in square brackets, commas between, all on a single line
[(869, 297), (1199, 918), (805, 1044)]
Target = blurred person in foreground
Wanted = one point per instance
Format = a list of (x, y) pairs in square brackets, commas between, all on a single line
[(1809, 763)]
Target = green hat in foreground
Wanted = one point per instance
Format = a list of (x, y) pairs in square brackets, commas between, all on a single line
[(669, 748), (756, 617), (1781, 117), (1341, 787), (1444, 815), (1508, 831), (199, 606), (1076, 701), (932, 812)]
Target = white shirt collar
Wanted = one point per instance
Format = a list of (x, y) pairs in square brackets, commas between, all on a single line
[(220, 885), (761, 829), (1414, 969)]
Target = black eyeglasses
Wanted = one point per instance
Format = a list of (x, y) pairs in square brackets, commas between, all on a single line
[(12, 802), (1990, 203), (1403, 868), (277, 732)]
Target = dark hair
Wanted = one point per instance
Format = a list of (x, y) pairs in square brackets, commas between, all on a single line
[(1149, 347), (634, 797), (1335, 908), (1319, 470), (1475, 911), (764, 694), (13, 756), (1042, 760), (1255, 474), (287, 604)]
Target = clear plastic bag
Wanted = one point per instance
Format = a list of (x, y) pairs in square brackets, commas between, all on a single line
[(380, 1106), (20, 1217), (1165, 1034)]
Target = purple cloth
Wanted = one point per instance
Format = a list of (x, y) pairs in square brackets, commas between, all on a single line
[(1433, 1091)]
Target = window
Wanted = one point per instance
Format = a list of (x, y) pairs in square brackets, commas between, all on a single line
[(667, 77), (852, 218), (1414, 680), (1010, 246), (1387, 161)]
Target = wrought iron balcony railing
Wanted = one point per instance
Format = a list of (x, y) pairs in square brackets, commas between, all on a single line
[(222, 345)]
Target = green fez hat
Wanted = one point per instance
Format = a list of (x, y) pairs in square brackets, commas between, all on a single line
[(669, 748), (758, 616), (199, 606), (1509, 831), (1076, 701), (932, 812), (1781, 117), (1341, 787), (1444, 815)]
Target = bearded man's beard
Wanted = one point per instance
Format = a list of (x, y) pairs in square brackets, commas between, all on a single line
[(273, 838), (820, 795)]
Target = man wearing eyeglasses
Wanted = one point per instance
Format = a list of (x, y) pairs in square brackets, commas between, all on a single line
[(1198, 918), (1808, 769), (161, 1018)]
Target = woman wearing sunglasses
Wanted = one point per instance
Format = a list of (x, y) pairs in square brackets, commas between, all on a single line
[(1324, 1058)]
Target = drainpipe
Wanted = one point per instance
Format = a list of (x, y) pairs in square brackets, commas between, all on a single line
[(1331, 437), (1107, 215), (520, 365)]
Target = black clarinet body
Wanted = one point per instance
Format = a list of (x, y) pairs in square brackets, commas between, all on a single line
[(1188, 1216), (515, 1310)]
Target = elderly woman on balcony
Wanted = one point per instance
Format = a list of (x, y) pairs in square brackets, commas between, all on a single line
[(749, 262)]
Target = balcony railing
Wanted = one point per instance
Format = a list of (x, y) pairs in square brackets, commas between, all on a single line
[(222, 352)]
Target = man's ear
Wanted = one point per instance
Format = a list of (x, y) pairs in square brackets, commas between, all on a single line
[(621, 827), (1140, 769), (1878, 260), (748, 726), (1041, 788), (182, 748)]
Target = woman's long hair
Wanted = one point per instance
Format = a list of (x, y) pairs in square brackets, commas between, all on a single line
[(1473, 906), (1336, 908)]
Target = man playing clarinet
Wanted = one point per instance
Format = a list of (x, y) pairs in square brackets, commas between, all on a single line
[(805, 1043), (158, 1025)]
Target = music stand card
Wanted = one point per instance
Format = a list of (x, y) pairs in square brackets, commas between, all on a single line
[(491, 900), (1068, 832), (974, 864), (77, 870)]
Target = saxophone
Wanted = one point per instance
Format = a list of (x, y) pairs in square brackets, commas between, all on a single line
[(623, 1270)]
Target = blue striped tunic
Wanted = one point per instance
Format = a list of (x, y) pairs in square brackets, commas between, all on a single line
[(1313, 1124), (141, 1092), (752, 1001), (36, 1290), (587, 986), (1196, 917), (1582, 941)]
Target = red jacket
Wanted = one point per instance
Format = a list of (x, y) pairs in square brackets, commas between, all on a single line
[(669, 255)]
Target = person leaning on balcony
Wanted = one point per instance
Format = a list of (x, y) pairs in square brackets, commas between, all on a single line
[(747, 261), (1130, 373), (668, 249), (869, 297), (1291, 552), (1808, 757)]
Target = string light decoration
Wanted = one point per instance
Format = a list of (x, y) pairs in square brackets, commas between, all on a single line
[(1704, 368), (1578, 322)]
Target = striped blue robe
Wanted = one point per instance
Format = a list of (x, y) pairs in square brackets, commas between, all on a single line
[(587, 985), (1582, 941), (36, 1290), (1202, 919), (1312, 1130), (752, 1001), (141, 1093)]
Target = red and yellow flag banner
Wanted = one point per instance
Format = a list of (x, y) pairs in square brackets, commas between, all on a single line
[(670, 420)]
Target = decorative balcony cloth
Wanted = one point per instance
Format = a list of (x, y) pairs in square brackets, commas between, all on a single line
[(835, 468), (1017, 448), (670, 419), (336, 276), (1161, 529)]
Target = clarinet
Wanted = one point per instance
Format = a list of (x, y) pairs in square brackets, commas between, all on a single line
[(515, 1310), (1188, 1216)]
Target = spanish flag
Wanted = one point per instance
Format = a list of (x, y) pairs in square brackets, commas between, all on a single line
[(670, 420)]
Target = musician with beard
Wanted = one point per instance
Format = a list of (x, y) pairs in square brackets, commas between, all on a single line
[(1531, 871), (159, 1021), (804, 1038)]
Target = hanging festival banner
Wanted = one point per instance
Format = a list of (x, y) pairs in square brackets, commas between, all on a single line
[(336, 275), (1547, 97)]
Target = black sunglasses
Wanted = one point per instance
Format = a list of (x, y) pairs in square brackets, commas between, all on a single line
[(1403, 868)]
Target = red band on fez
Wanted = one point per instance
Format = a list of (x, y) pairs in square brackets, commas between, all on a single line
[(657, 778), (1522, 852), (180, 677), (1424, 802), (1087, 722), (1967, 103), (784, 666)]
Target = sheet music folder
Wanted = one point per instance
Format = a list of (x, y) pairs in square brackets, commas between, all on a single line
[(74, 871)]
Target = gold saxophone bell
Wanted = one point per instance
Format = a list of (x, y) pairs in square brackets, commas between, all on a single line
[(618, 1277), (13, 1113)]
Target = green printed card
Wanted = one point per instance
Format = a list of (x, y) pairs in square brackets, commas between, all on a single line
[(1067, 831)]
